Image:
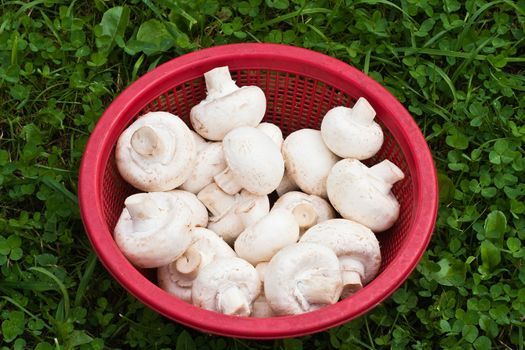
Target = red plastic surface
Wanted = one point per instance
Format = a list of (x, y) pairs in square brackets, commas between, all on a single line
[(300, 86)]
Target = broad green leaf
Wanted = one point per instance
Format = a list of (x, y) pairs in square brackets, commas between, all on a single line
[(4, 157), (446, 187), (16, 254), (44, 346), (155, 36), (293, 344), (451, 272), (13, 326), (278, 4), (457, 140), (483, 343), (495, 224), (490, 255), (113, 24), (470, 333), (185, 341), (77, 338)]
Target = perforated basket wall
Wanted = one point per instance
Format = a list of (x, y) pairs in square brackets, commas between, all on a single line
[(299, 93)]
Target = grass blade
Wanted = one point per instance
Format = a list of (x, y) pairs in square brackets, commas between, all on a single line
[(86, 278), (60, 285), (55, 185), (26, 311)]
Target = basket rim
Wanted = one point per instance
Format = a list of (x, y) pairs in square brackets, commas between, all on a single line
[(408, 135)]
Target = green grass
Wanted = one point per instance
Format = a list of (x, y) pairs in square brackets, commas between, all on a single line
[(457, 66)]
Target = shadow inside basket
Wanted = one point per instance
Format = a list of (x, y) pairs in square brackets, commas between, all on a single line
[(293, 102)]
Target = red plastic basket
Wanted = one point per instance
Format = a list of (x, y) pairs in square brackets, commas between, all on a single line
[(300, 87)]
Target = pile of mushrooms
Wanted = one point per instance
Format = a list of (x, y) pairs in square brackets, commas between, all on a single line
[(204, 219)]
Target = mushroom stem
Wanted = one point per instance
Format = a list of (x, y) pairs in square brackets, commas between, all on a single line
[(305, 215), (261, 270), (146, 141), (352, 270), (188, 264), (351, 282), (217, 202), (316, 289), (388, 172), (219, 82), (286, 185), (232, 301), (261, 308), (143, 211), (363, 112), (227, 182)]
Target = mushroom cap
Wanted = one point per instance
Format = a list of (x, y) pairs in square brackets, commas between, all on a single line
[(363, 194), (227, 106), (350, 241), (352, 132), (163, 155), (209, 246), (229, 286), (302, 277), (308, 160), (254, 160), (209, 162), (199, 213), (154, 229), (260, 241), (290, 200), (273, 132)]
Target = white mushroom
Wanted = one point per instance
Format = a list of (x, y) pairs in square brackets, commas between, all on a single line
[(260, 241), (228, 286), (229, 227), (355, 245), (273, 132), (199, 214), (308, 160), (363, 194), (261, 308), (261, 269), (276, 135), (302, 277), (308, 210), (287, 184), (251, 207), (352, 132), (209, 162), (177, 277), (200, 142), (156, 153), (153, 229), (226, 106), (254, 162), (230, 214)]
